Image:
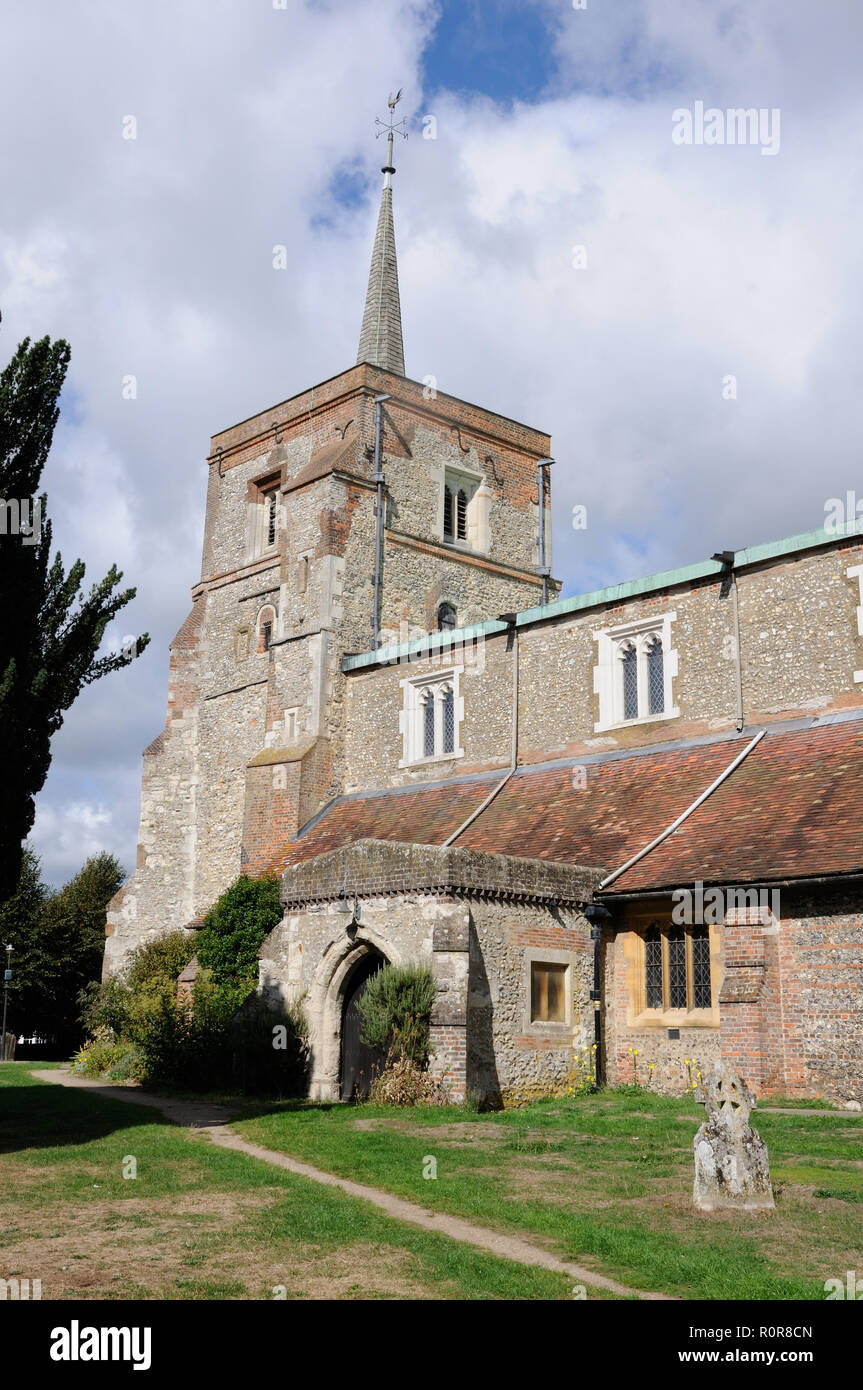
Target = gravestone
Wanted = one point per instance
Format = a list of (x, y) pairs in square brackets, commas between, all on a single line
[(731, 1164)]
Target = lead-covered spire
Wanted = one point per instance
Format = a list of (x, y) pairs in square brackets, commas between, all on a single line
[(381, 335)]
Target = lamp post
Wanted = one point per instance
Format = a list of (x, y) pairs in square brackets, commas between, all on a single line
[(6, 978)]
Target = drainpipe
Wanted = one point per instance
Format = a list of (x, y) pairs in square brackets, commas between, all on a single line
[(596, 914), (512, 638), (378, 477), (543, 480), (726, 558)]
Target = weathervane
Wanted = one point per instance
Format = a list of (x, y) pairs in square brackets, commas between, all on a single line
[(391, 126)]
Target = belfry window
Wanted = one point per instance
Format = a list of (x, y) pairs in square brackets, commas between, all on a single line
[(454, 513), (465, 509), (271, 502)]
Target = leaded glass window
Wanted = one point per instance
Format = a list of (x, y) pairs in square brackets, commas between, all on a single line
[(630, 683), (676, 969), (653, 967), (448, 721), (655, 677), (428, 725), (701, 993)]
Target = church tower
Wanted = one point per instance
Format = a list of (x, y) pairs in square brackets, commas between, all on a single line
[(367, 509)]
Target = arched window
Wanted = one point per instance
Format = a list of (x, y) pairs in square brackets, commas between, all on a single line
[(448, 720), (655, 676), (447, 513), (629, 676), (428, 724), (266, 628), (446, 618)]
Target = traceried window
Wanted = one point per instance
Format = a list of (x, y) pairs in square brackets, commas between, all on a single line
[(677, 967), (635, 672), (655, 676), (547, 993), (431, 718), (629, 680)]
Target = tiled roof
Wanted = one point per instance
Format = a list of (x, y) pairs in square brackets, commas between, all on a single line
[(792, 809)]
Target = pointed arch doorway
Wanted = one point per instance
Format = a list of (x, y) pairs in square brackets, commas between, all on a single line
[(358, 1060)]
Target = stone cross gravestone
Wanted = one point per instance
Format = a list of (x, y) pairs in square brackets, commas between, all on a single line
[(731, 1164)]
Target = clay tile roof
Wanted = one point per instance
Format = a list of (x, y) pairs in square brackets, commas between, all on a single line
[(792, 809)]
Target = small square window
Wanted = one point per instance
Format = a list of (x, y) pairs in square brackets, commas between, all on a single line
[(547, 993)]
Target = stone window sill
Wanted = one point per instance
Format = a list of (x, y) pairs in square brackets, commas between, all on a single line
[(629, 723), (428, 762), (676, 1018)]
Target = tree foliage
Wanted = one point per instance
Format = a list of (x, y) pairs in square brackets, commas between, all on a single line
[(58, 940), (235, 928), (52, 628)]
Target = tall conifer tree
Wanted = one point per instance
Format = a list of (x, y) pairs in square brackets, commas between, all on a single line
[(50, 628)]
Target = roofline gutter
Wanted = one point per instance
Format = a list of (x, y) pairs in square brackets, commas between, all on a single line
[(685, 815), (812, 881)]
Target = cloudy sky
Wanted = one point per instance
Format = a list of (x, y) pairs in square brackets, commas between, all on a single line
[(254, 123)]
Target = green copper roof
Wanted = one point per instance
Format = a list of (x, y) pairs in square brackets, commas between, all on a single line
[(597, 598)]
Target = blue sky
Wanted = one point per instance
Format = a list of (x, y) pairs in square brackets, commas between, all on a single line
[(256, 128), (480, 48)]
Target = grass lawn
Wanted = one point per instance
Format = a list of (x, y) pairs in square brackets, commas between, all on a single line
[(200, 1222), (606, 1180)]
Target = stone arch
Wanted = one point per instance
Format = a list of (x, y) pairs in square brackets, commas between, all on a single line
[(265, 627), (326, 998)]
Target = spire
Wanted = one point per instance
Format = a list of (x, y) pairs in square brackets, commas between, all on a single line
[(381, 334)]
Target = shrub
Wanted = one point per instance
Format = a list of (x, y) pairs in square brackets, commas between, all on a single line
[(403, 1082), (234, 930), (395, 1012), (160, 961), (103, 1054), (117, 1005)]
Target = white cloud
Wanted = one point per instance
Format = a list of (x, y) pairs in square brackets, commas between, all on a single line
[(154, 257)]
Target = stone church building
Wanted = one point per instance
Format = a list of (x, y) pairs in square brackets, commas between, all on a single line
[(631, 817)]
